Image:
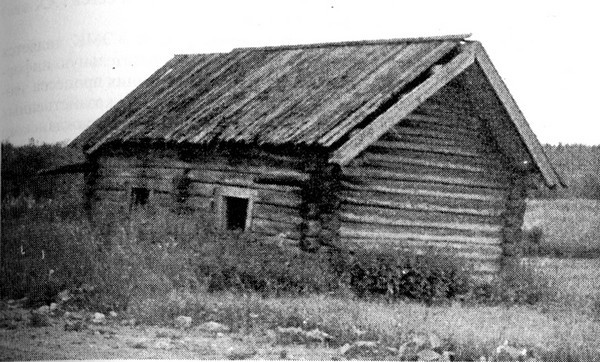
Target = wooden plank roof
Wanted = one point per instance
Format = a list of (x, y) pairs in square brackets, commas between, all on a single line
[(312, 94)]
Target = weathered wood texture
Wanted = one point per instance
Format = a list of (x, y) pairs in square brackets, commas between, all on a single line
[(436, 181), (276, 207)]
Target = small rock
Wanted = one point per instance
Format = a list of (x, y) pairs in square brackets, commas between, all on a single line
[(316, 335), (283, 354), (428, 355), (183, 321), (74, 316), (434, 341), (64, 296), (366, 349), (98, 318), (420, 340), (163, 344), (113, 314), (74, 326), (290, 335), (213, 327), (243, 352), (507, 351), (53, 307), (129, 322), (43, 309), (139, 345)]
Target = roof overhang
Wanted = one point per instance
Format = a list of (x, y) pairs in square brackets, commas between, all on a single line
[(471, 53)]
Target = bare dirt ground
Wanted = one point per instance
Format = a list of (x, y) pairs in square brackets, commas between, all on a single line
[(19, 340)]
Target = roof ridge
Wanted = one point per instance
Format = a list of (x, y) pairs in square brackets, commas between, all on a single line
[(451, 37)]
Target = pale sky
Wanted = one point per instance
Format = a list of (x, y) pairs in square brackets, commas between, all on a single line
[(66, 62)]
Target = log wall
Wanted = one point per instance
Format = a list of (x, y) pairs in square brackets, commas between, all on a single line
[(436, 181), (274, 179)]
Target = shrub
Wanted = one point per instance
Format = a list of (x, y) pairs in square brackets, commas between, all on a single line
[(398, 274), (240, 262), (517, 283), (532, 240)]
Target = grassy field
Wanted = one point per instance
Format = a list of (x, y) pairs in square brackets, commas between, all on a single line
[(563, 326), (570, 227)]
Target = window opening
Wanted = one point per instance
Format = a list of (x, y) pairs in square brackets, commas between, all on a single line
[(236, 213), (139, 197)]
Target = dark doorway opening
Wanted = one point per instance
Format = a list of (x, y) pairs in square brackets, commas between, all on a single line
[(139, 197), (236, 213)]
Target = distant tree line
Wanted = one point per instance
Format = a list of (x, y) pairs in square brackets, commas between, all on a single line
[(578, 164), (21, 164)]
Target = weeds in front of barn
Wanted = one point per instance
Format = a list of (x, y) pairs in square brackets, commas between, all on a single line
[(146, 267)]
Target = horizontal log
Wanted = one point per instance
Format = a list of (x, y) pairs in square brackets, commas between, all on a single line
[(418, 230), (372, 199), (406, 127), (276, 213), (388, 221), (402, 189), (490, 161), (422, 198), (199, 202), (419, 215), (474, 144), (270, 227), (436, 170), (346, 232), (396, 161), (273, 197), (123, 183), (358, 173)]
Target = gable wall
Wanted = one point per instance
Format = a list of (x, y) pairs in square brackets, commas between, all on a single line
[(276, 207), (436, 180)]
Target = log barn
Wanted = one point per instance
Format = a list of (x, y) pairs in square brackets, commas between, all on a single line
[(410, 143)]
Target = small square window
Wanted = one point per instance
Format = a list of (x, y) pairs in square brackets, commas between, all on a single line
[(234, 207), (139, 197), (236, 212)]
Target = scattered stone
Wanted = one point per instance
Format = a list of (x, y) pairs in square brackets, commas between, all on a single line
[(43, 309), (74, 316), (113, 314), (183, 321), (139, 345), (421, 340), (435, 341), (296, 335), (213, 327), (163, 344), (64, 296), (40, 319), (98, 318), (428, 355), (316, 335), (74, 326), (243, 352), (367, 350), (129, 322), (505, 351)]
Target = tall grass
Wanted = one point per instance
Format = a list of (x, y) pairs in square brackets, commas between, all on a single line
[(569, 227)]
